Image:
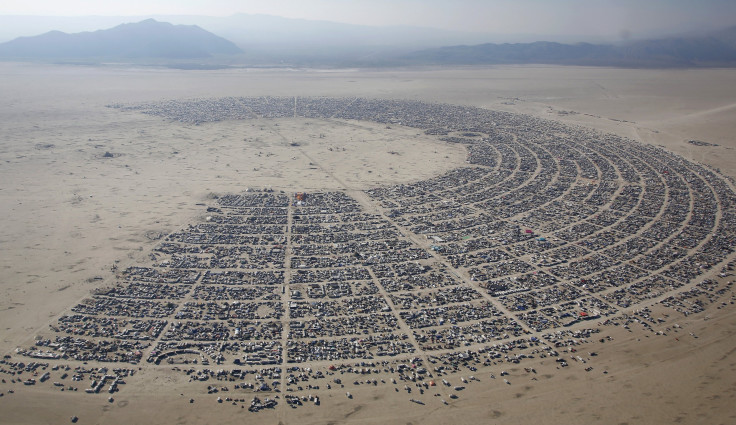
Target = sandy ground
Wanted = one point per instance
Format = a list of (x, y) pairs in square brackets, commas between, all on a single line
[(69, 214)]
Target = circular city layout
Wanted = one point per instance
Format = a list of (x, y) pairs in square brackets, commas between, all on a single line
[(547, 231)]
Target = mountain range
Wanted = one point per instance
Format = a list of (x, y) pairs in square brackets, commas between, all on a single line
[(274, 41), (141, 40), (714, 49)]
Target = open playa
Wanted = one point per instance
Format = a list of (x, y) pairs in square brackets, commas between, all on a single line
[(94, 177)]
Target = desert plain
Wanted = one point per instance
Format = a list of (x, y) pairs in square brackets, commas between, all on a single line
[(87, 190)]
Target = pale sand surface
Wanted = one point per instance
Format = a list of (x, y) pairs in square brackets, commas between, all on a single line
[(69, 214)]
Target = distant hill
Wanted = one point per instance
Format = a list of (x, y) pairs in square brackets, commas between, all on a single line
[(715, 49), (145, 39)]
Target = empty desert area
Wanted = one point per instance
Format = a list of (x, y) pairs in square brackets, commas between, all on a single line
[(481, 244)]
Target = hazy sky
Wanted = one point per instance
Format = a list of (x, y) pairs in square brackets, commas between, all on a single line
[(602, 18)]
